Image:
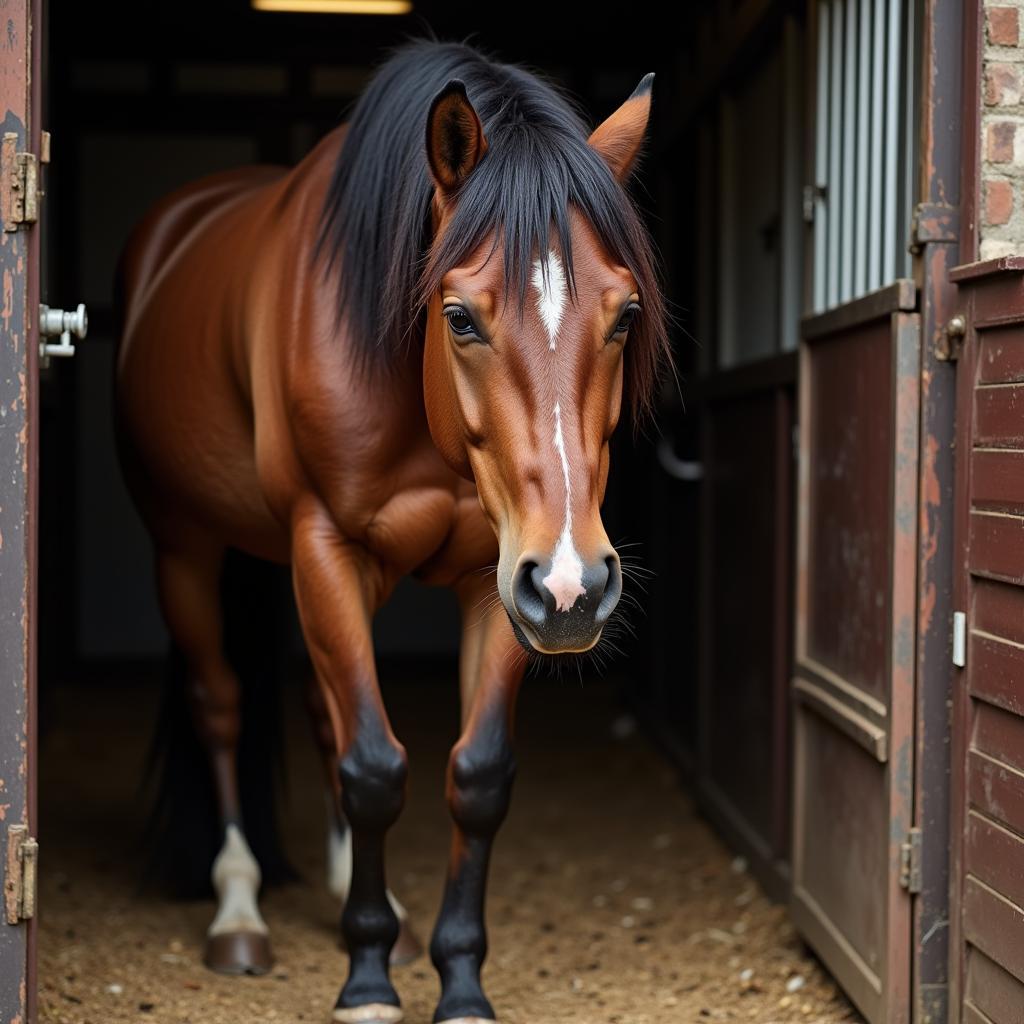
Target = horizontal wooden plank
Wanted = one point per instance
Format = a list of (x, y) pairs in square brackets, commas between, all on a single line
[(998, 608), (995, 671), (995, 925), (1001, 355), (999, 416), (986, 269), (996, 789), (998, 297), (860, 729), (996, 546), (995, 994), (999, 734), (995, 856), (997, 479), (900, 296)]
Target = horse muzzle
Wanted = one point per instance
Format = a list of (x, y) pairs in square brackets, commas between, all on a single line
[(561, 604)]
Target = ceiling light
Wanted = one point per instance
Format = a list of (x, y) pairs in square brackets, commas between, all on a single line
[(335, 6)]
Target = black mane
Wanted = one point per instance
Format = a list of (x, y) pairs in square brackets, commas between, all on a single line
[(376, 216)]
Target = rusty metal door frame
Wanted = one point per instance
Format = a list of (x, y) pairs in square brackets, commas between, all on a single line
[(20, 97)]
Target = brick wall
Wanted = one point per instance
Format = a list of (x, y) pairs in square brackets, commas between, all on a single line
[(1002, 172)]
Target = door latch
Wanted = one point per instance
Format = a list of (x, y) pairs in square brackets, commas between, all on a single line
[(57, 323)]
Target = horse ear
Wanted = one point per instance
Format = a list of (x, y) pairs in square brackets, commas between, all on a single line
[(619, 138), (455, 137)]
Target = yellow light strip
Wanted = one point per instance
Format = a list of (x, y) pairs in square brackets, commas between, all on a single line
[(335, 6)]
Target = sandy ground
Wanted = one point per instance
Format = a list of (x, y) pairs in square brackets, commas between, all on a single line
[(612, 902)]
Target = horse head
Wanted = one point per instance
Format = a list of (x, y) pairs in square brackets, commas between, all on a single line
[(529, 332)]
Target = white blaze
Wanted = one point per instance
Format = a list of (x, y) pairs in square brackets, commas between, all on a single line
[(236, 877), (565, 580), (551, 293)]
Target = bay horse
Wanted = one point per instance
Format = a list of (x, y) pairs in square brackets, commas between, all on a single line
[(406, 355)]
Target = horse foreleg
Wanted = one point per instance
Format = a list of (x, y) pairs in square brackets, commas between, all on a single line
[(237, 941), (335, 590), (479, 786), (339, 837)]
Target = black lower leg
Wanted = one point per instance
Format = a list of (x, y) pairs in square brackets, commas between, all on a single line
[(373, 772), (480, 784)]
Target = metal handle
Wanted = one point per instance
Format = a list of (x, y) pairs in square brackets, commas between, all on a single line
[(677, 468), (59, 323)]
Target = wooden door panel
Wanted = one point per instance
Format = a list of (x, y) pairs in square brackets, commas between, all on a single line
[(987, 912), (854, 666)]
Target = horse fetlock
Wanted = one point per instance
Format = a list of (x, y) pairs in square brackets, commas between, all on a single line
[(369, 925)]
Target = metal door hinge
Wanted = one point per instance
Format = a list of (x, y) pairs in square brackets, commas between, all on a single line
[(19, 197), (959, 639), (20, 874), (933, 222), (910, 861)]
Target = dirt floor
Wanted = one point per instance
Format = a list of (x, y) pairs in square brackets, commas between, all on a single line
[(612, 902)]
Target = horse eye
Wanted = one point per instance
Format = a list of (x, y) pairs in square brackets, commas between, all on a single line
[(459, 321), (628, 316)]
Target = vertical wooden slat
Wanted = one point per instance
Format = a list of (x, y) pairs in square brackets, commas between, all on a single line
[(891, 189), (876, 210), (849, 158), (861, 207), (835, 151), (821, 157)]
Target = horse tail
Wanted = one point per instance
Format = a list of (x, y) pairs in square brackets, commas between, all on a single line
[(184, 832)]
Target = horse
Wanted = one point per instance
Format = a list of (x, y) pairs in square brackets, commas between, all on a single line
[(405, 355)]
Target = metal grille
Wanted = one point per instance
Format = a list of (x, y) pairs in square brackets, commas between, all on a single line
[(862, 198)]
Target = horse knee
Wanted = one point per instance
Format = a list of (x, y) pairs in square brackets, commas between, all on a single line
[(373, 773), (480, 786)]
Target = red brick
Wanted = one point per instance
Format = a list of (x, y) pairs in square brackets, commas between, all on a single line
[(998, 201), (999, 142), (1002, 85), (1003, 28)]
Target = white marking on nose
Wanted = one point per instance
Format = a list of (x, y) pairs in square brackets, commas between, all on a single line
[(565, 580), (551, 294)]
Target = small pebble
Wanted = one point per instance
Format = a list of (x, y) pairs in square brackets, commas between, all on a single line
[(628, 921), (795, 983), (747, 974), (642, 903), (115, 989), (739, 865)]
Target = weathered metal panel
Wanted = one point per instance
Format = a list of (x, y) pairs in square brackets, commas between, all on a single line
[(987, 911), (18, 339), (855, 658), (743, 763)]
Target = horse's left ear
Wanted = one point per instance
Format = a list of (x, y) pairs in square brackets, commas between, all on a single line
[(455, 137), (619, 138)]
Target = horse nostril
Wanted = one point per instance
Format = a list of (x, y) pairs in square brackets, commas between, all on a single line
[(528, 593), (612, 590)]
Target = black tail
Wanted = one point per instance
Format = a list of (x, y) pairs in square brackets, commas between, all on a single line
[(184, 829)]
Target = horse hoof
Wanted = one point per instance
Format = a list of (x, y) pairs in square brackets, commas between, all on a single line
[(238, 953), (407, 947), (371, 1013)]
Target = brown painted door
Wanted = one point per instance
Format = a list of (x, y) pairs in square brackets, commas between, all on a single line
[(19, 340), (853, 678), (987, 921)]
